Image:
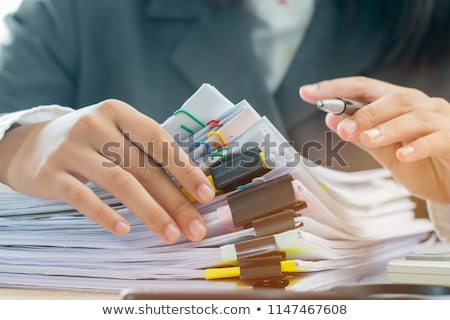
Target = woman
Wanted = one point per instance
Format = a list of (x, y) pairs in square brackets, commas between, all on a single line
[(153, 54)]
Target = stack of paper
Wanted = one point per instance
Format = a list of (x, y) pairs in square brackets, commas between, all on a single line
[(352, 225)]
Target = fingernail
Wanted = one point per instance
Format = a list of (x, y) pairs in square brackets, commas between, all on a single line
[(172, 233), (121, 228), (373, 133), (205, 192), (197, 229), (407, 151), (310, 87), (349, 126)]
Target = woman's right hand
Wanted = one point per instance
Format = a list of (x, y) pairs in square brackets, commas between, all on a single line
[(119, 149)]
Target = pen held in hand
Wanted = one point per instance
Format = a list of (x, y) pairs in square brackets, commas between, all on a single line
[(339, 106)]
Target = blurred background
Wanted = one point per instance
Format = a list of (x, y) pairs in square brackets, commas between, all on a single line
[(6, 6)]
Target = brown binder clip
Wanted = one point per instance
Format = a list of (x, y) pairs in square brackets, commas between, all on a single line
[(269, 207), (261, 268), (259, 258), (256, 247)]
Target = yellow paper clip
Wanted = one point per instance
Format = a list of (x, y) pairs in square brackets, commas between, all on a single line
[(221, 138)]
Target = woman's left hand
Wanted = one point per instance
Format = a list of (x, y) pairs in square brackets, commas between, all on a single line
[(405, 130)]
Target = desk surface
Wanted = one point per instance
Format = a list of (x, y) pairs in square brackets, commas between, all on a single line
[(29, 294)]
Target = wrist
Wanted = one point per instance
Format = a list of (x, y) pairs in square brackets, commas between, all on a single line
[(9, 146)]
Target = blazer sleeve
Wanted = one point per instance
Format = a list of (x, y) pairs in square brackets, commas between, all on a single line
[(38, 62)]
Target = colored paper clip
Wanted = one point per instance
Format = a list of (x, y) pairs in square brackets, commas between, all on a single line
[(222, 153), (221, 137), (262, 157), (213, 123), (258, 203), (239, 169), (203, 143), (190, 115)]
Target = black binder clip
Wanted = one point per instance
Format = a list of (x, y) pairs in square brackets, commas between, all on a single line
[(238, 169)]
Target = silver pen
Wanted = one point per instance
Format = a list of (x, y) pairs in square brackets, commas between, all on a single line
[(339, 106)]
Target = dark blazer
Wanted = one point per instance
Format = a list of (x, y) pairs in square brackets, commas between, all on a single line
[(153, 54)]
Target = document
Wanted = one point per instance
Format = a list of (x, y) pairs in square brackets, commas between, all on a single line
[(275, 216)]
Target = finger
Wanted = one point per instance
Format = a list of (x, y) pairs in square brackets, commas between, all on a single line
[(124, 186), (167, 194), (161, 187), (361, 89), (386, 108), (150, 137), (384, 155), (152, 177), (333, 120), (434, 144), (72, 191), (406, 127)]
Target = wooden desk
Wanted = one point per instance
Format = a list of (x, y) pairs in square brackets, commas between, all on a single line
[(30, 294)]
